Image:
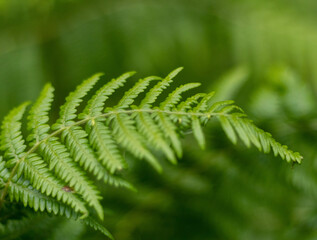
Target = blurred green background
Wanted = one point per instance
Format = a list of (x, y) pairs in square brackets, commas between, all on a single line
[(260, 53)]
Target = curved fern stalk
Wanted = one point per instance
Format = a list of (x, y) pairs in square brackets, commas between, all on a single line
[(48, 171)]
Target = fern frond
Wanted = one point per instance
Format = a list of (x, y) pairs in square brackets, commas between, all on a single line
[(48, 171)]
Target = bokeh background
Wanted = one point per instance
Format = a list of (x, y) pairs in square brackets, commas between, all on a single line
[(260, 53)]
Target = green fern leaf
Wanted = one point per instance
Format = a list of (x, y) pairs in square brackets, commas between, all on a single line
[(47, 172)]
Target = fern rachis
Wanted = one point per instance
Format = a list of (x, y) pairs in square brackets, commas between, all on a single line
[(39, 170)]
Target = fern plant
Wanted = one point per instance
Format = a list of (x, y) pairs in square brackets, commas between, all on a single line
[(45, 167)]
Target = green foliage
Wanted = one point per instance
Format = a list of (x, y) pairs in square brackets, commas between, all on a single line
[(50, 169)]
